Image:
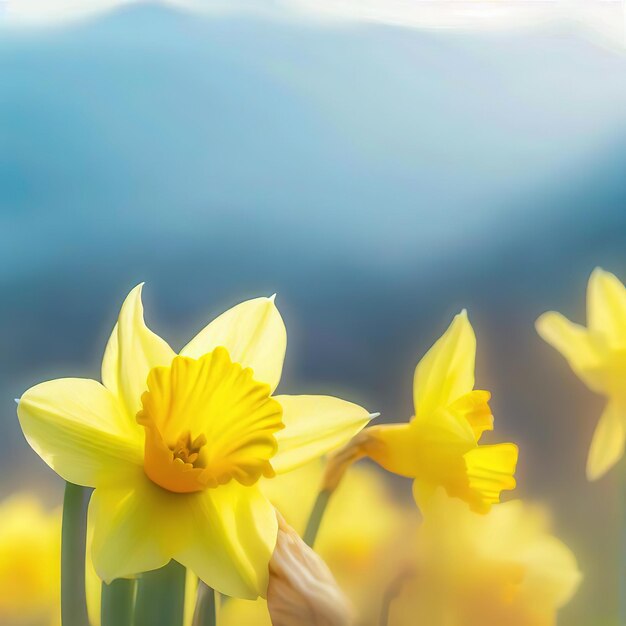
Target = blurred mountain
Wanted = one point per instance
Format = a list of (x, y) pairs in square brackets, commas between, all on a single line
[(378, 178)]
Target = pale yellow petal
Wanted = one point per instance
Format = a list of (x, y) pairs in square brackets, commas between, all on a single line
[(430, 449), (132, 351), (575, 344), (446, 372), (231, 535), (606, 307), (607, 445), (254, 334), (395, 447), (135, 527), (245, 613), (315, 425), (552, 574), (78, 428)]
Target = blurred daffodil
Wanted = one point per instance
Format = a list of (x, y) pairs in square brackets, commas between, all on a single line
[(439, 446), (362, 537), (485, 570), (597, 354), (30, 550), (175, 445)]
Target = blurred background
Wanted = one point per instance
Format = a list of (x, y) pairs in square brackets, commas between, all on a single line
[(379, 177)]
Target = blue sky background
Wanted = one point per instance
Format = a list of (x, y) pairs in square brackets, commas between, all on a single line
[(378, 178)]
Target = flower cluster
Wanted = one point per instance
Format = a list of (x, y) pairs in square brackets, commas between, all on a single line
[(205, 479)]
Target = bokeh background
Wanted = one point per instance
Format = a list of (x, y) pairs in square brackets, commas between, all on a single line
[(379, 178)]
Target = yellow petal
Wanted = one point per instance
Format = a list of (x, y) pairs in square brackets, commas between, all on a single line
[(132, 351), (574, 343), (244, 612), (490, 470), (231, 537), (552, 575), (447, 370), (136, 527), (315, 425), (78, 428), (254, 334), (426, 449), (607, 445), (224, 535), (394, 447), (606, 307)]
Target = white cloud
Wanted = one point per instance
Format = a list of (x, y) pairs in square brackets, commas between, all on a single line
[(604, 20)]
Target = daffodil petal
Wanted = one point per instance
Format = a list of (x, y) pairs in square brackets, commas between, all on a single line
[(606, 307), (237, 612), (132, 351), (446, 372), (78, 428), (607, 445), (254, 334), (230, 539), (394, 447), (551, 571), (135, 527), (315, 425), (574, 343)]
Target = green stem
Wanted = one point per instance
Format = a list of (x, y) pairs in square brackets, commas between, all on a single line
[(118, 600), (161, 597), (315, 519), (206, 606), (73, 546)]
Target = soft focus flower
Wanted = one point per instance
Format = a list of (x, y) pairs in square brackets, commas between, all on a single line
[(302, 590), (597, 354), (485, 570), (30, 552), (175, 445), (362, 537), (439, 446)]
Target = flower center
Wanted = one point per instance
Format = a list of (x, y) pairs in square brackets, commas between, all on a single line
[(206, 422)]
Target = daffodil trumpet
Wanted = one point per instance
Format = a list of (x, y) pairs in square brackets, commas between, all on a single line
[(73, 548), (175, 445)]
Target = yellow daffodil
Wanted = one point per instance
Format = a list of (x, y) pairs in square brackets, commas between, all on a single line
[(485, 570), (30, 552), (362, 537), (597, 354), (439, 446), (175, 445)]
